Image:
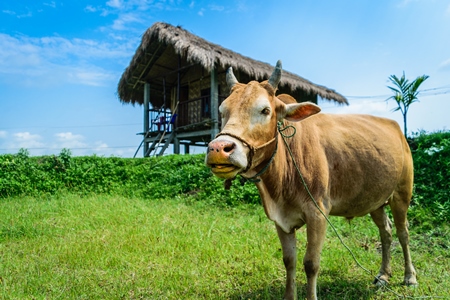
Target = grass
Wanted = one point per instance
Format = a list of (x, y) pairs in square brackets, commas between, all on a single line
[(109, 247)]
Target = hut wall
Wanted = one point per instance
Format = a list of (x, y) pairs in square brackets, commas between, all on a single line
[(196, 103), (224, 91), (195, 106)]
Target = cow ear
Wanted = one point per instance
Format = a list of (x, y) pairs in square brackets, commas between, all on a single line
[(299, 111)]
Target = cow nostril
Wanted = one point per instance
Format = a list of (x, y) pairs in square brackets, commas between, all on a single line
[(229, 148)]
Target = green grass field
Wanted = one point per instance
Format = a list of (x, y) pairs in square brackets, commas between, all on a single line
[(108, 247)]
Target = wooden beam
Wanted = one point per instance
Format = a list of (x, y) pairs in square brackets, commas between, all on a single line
[(191, 134), (148, 64), (146, 114), (176, 145), (170, 72), (214, 103)]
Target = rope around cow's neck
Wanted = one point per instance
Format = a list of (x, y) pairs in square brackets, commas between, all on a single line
[(255, 178)]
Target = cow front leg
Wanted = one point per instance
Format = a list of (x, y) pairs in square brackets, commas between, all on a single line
[(288, 245), (316, 229)]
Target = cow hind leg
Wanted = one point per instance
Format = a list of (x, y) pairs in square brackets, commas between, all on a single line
[(385, 228), (399, 206)]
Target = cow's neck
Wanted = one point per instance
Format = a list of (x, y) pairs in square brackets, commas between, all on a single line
[(281, 183), (281, 177)]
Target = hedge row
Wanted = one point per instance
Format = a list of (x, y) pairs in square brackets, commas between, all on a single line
[(431, 154), (153, 178)]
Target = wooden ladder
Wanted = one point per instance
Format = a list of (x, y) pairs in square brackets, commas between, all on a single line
[(160, 143)]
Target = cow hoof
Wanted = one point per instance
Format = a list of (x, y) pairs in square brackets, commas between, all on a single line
[(411, 282), (381, 281)]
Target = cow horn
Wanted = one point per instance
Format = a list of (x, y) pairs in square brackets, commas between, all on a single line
[(274, 79), (231, 79)]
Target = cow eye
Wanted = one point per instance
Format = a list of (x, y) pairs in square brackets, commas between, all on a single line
[(266, 111)]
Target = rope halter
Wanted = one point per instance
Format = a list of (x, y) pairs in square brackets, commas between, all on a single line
[(255, 156)]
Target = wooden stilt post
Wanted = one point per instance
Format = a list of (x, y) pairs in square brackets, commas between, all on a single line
[(214, 103), (146, 115), (176, 142)]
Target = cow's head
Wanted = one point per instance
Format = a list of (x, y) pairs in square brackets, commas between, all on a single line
[(249, 125)]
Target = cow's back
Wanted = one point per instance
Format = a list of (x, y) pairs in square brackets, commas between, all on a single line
[(364, 160)]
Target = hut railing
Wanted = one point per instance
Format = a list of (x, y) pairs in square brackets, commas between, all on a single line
[(161, 120), (195, 112), (190, 114)]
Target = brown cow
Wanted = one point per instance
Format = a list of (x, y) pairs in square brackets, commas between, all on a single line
[(353, 165)]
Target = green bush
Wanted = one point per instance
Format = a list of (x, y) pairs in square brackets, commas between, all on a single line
[(153, 178), (431, 199)]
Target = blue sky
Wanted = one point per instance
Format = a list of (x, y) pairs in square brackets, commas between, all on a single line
[(60, 61)]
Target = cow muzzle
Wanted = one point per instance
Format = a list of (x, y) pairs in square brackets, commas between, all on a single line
[(226, 156)]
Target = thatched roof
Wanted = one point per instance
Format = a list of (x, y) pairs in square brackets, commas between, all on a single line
[(158, 54)]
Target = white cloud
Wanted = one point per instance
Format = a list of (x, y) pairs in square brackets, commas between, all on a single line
[(123, 152), (51, 4), (55, 60), (90, 8), (377, 108), (19, 16), (76, 143), (123, 21), (69, 140), (241, 6), (90, 77), (11, 143), (26, 140), (9, 12), (132, 12), (101, 145), (115, 3), (65, 136), (216, 7), (102, 148), (211, 7)]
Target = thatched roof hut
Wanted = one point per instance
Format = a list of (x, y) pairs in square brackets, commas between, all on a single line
[(168, 54)]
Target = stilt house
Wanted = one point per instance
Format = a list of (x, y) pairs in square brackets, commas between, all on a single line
[(179, 78)]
